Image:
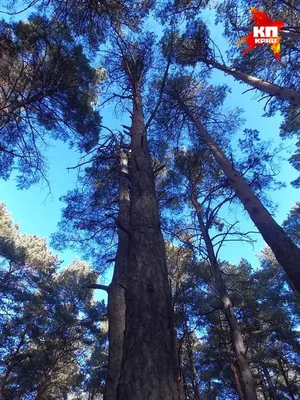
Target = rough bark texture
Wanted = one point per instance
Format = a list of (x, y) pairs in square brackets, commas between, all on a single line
[(149, 354), (236, 375), (285, 251), (282, 93), (246, 380), (116, 291)]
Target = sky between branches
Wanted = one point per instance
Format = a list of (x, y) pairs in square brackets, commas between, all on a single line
[(38, 211)]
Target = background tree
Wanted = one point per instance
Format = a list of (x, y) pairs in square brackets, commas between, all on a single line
[(97, 212), (49, 321), (48, 89), (137, 185), (184, 94), (291, 224), (201, 328), (258, 68)]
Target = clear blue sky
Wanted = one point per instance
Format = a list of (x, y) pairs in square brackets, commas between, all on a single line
[(38, 213)]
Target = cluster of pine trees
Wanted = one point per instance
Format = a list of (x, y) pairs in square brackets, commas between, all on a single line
[(155, 200)]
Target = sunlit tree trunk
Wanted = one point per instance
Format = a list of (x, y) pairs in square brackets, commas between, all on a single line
[(281, 93), (236, 376), (285, 251), (232, 359), (149, 355)]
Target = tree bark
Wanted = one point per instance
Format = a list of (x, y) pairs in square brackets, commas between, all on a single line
[(41, 390), (149, 354), (232, 360), (116, 291), (285, 251), (236, 376), (282, 93), (194, 377), (246, 379)]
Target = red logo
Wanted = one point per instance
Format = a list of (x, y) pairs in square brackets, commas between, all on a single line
[(265, 31)]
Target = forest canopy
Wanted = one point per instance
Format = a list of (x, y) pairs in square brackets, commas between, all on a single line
[(179, 217)]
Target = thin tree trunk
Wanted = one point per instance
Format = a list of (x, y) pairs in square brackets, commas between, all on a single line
[(43, 385), (149, 369), (232, 361), (116, 291), (195, 384), (281, 93), (45, 381), (285, 251), (41, 390), (247, 382)]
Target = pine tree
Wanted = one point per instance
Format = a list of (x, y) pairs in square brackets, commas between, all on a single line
[(47, 91)]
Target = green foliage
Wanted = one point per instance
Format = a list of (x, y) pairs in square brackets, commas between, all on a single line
[(48, 88), (52, 343), (193, 45), (49, 322), (292, 223), (267, 318), (93, 20), (88, 218), (236, 18)]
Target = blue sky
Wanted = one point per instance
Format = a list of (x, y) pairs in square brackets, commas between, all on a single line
[(37, 212)]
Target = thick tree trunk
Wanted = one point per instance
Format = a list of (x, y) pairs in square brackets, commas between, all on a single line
[(285, 251), (149, 355), (281, 93), (246, 379), (116, 291), (236, 376)]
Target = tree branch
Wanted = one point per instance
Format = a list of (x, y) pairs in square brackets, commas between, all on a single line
[(98, 286), (160, 92)]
